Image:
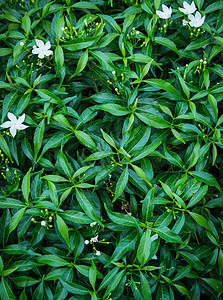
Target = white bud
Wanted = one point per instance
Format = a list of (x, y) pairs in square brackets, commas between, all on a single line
[(113, 72), (98, 253), (62, 28), (86, 242), (43, 223), (21, 44), (137, 32), (201, 60)]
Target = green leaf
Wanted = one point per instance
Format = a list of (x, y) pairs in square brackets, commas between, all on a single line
[(143, 250), (168, 235), (153, 120), (164, 85), (76, 217), (5, 291), (121, 183), (26, 186), (108, 139), (145, 151), (52, 260), (82, 62), (200, 220), (121, 219), (63, 229), (7, 103), (11, 203), (74, 288), (16, 219), (99, 155), (198, 196), (167, 43), (4, 147), (114, 109), (207, 178), (85, 139), (86, 206), (84, 5), (148, 205), (92, 274), (26, 23), (38, 138), (59, 57)]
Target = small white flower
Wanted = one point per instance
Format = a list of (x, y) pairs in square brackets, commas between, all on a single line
[(109, 175), (98, 253), (129, 213), (41, 49), (62, 28), (86, 242), (94, 239), (113, 72), (154, 237), (185, 22), (14, 123), (188, 9), (154, 257), (21, 44), (43, 223), (137, 32), (93, 224), (166, 13), (196, 21)]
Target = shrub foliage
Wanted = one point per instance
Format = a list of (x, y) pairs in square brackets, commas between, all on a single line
[(112, 187)]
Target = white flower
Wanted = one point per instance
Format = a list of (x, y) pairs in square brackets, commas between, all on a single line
[(86, 242), (196, 21), (62, 28), (154, 237), (98, 252), (21, 44), (154, 257), (14, 123), (185, 22), (188, 9), (166, 13), (41, 49), (94, 239), (93, 224), (43, 223)]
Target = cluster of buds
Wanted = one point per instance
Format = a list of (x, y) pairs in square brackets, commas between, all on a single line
[(72, 32), (48, 218), (163, 28), (116, 83), (134, 37), (92, 241), (185, 72), (201, 67), (195, 32)]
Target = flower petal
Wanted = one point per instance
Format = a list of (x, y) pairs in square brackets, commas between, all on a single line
[(40, 43), (21, 126), (47, 46), (160, 14), (6, 124), (41, 54), (21, 119), (36, 50), (13, 130), (48, 52), (12, 117)]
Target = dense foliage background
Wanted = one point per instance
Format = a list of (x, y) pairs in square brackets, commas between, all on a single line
[(112, 190)]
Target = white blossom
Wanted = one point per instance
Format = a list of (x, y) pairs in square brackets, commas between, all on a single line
[(43, 223), (166, 13), (185, 22), (154, 257), (154, 237), (188, 9), (86, 242), (14, 124), (93, 224), (41, 49), (98, 253), (21, 44), (94, 239), (196, 21)]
